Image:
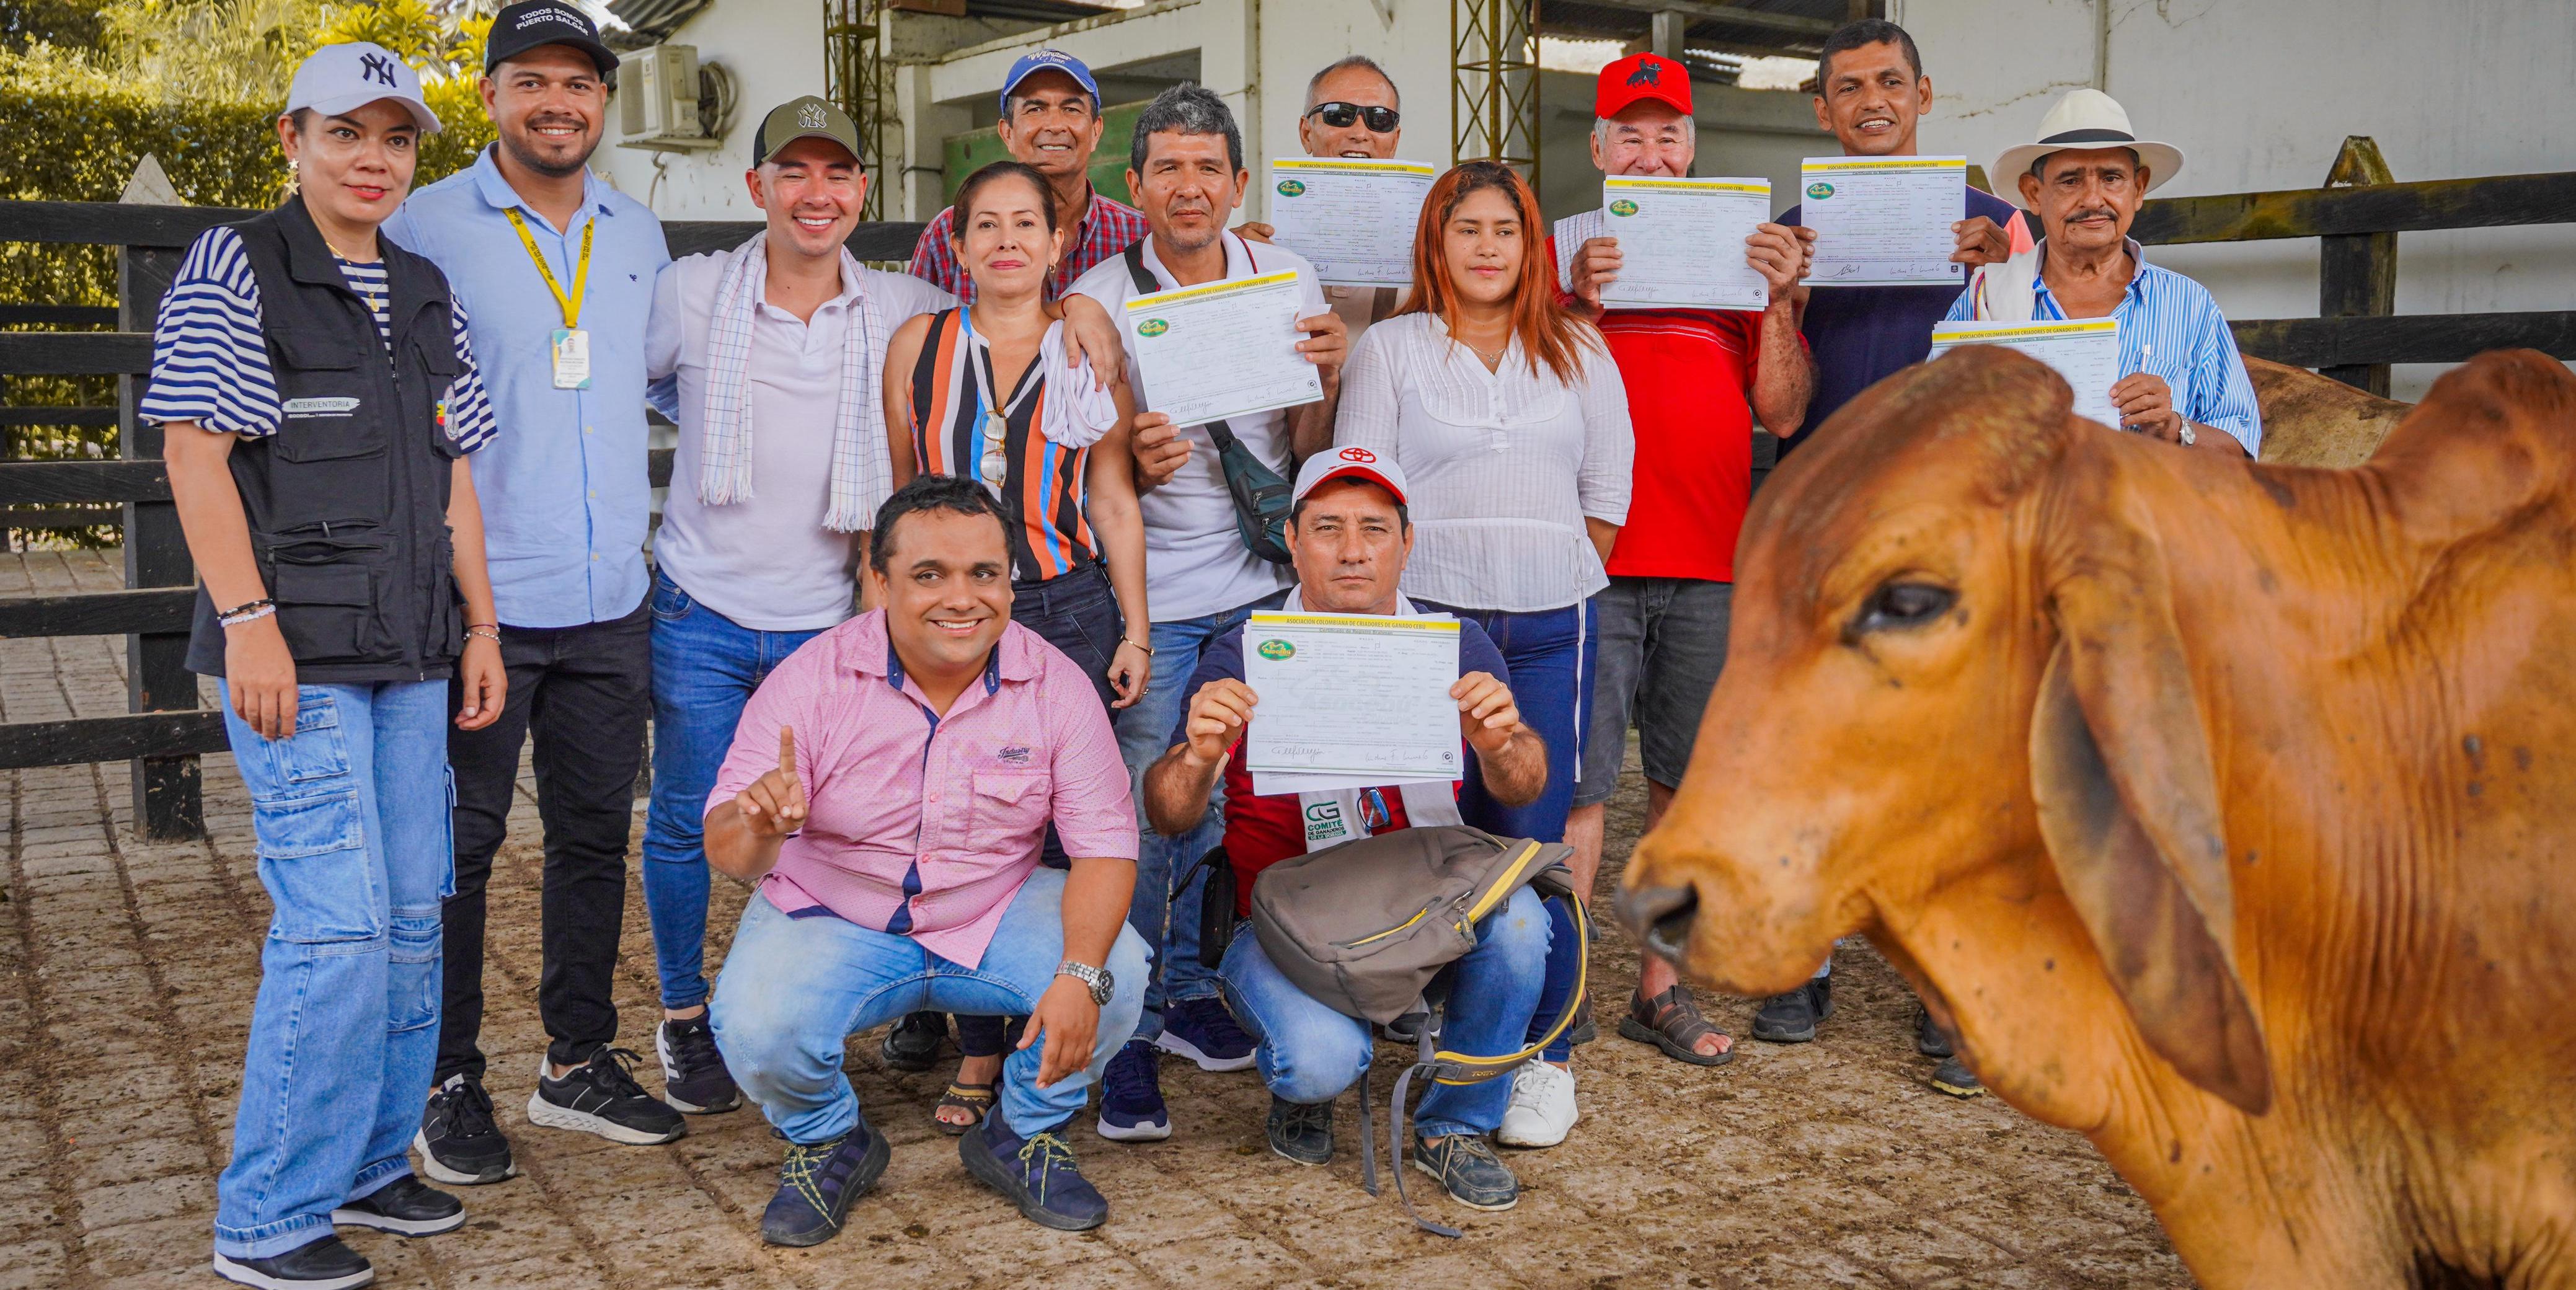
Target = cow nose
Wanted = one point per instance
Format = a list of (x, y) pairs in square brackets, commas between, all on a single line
[(1659, 917)]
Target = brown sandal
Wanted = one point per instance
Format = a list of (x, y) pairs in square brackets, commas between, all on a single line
[(1671, 1021), (974, 1098)]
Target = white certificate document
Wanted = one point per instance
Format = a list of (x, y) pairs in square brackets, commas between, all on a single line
[(1223, 350), (1352, 218), (1350, 700), (1884, 221), (2086, 351), (1681, 242)]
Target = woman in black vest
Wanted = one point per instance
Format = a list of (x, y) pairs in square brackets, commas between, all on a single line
[(318, 398)]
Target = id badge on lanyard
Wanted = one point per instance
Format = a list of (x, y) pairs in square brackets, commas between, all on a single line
[(570, 345)]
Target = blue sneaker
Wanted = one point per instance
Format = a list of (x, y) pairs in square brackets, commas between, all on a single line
[(1203, 1031), (1131, 1096), (817, 1183), (1037, 1172)]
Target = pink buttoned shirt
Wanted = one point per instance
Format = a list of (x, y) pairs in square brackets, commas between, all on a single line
[(926, 825)]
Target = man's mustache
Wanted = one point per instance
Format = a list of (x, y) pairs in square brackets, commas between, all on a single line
[(2095, 212), (557, 118)]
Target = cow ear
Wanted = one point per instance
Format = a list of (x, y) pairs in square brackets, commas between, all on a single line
[(2128, 806)]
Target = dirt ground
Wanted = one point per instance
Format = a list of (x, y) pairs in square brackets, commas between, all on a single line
[(126, 973)]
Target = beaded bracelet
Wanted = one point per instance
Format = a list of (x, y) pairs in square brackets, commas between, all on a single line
[(246, 613)]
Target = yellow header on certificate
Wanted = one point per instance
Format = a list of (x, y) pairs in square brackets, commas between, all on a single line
[(1373, 622), (1162, 298), (1658, 184), (1986, 331), (1813, 164), (1353, 166)]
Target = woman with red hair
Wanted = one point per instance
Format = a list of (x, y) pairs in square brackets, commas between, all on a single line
[(1505, 411)]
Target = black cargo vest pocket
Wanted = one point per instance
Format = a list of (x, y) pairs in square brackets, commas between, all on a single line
[(326, 611), (433, 338), (329, 450)]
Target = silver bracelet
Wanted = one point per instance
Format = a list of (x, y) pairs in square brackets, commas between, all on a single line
[(250, 613)]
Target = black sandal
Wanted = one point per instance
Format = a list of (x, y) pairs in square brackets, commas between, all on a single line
[(974, 1098), (1671, 1021)]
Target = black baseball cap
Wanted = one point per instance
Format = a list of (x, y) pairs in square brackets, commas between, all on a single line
[(527, 24)]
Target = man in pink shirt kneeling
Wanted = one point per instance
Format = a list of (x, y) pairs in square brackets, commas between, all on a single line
[(887, 792)]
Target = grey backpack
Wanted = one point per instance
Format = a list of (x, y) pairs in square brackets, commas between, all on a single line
[(1363, 927)]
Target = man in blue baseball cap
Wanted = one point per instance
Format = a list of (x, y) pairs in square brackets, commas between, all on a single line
[(1051, 120)]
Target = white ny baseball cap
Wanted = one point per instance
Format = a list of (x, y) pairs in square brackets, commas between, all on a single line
[(339, 79)]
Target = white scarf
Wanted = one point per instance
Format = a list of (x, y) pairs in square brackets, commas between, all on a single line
[(1334, 818), (861, 475), (1076, 409), (2005, 292)]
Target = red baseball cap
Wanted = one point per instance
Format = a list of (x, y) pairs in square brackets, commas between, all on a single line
[(1349, 463), (1638, 77)]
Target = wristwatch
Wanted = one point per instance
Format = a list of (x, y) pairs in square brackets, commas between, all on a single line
[(2188, 438), (1097, 978)]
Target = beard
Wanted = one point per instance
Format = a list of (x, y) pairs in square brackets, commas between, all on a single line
[(535, 152)]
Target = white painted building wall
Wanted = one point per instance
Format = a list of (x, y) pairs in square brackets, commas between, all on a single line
[(2259, 95)]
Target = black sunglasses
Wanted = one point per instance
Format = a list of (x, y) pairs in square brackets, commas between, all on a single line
[(1340, 115)]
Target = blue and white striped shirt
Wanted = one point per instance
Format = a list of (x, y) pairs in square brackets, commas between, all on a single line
[(2171, 327), (210, 361)]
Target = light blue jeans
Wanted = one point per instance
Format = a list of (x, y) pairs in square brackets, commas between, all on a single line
[(705, 667), (1310, 1053), (352, 812), (794, 989), (1168, 919)]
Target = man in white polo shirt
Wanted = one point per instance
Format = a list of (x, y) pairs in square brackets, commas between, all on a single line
[(1186, 173)]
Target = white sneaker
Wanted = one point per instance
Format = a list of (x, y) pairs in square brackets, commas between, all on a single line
[(1542, 1108)]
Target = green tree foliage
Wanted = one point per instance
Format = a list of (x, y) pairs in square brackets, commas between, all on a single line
[(86, 91)]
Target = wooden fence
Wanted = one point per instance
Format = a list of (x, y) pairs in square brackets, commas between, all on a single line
[(164, 731)]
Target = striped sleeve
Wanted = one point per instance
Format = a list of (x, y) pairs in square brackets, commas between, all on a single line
[(2222, 395), (466, 412), (209, 360)]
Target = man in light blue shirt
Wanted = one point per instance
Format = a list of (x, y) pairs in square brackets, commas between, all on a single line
[(557, 272), (2085, 177)]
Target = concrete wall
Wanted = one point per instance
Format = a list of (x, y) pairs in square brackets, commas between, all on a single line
[(773, 49), (1761, 134), (2259, 95)]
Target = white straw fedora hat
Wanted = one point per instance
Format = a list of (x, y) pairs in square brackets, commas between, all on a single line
[(2085, 118)]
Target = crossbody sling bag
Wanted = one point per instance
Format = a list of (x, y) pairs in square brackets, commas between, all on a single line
[(1261, 501)]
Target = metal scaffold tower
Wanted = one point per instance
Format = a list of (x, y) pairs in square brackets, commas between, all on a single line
[(857, 76), (1493, 92)]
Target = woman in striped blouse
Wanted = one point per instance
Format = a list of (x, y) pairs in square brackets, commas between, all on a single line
[(1511, 424), (984, 391)]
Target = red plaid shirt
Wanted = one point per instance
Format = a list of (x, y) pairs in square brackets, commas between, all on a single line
[(1108, 228)]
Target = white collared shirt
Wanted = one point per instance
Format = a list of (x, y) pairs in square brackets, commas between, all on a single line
[(1502, 466), (768, 563)]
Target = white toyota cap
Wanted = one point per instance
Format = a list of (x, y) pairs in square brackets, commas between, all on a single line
[(1349, 463), (339, 79)]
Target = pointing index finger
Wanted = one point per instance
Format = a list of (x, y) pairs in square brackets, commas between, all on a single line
[(787, 751)]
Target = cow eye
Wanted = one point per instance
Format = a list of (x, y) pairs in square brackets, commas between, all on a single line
[(1899, 605)]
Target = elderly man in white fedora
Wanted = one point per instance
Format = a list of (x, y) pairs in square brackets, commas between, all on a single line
[(2084, 177)]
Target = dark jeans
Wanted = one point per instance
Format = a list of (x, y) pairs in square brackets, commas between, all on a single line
[(584, 693)]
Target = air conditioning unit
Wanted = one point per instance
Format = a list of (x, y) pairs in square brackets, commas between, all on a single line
[(657, 102)]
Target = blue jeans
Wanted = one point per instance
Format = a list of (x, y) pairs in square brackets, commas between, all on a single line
[(1144, 734), (353, 817), (1310, 1053), (705, 667), (794, 990)]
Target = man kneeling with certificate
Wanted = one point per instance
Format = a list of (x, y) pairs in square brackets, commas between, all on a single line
[(1350, 535)]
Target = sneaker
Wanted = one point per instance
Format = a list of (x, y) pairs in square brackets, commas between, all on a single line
[(325, 1264), (1203, 1031), (1037, 1172), (1131, 1096), (1792, 1018), (1953, 1077), (1301, 1131), (1929, 1039), (601, 1096), (694, 1078), (459, 1143), (912, 1044), (1469, 1170), (1542, 1106), (817, 1183), (405, 1207)]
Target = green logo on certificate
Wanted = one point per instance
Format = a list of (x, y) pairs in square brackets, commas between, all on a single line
[(1292, 188), (1820, 190), (1277, 651), (1623, 207), (1152, 327)]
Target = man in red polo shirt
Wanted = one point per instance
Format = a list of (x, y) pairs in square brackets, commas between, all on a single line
[(1696, 380)]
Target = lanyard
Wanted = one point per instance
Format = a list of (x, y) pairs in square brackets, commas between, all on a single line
[(571, 305)]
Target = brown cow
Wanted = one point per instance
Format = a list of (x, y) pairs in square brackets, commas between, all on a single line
[(2225, 812)]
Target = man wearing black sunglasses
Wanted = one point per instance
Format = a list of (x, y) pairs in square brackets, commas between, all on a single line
[(1352, 110)]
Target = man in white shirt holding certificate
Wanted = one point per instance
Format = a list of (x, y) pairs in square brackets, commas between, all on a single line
[(1202, 578), (1354, 112)]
